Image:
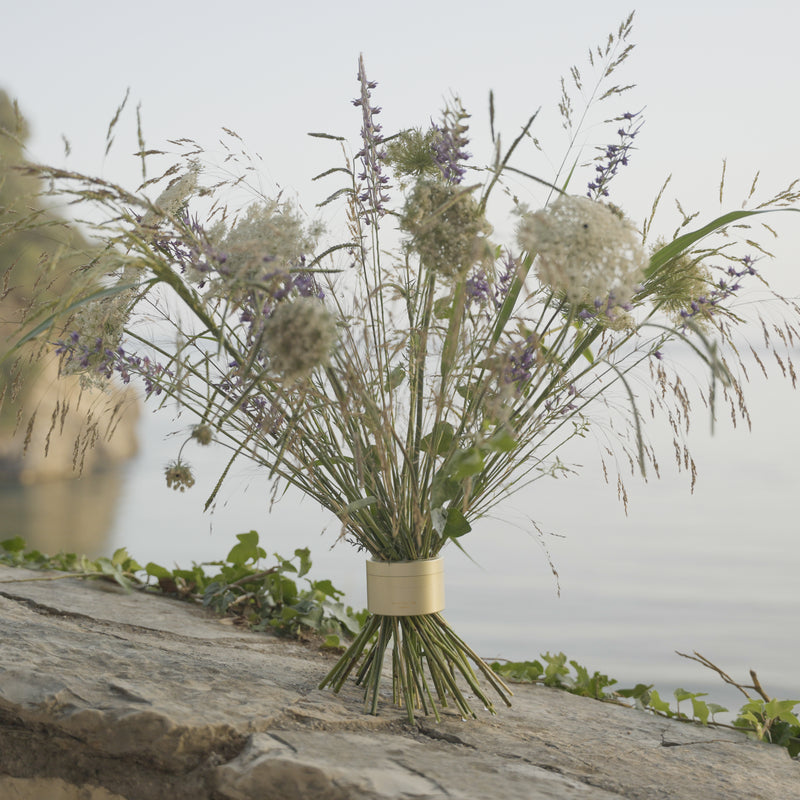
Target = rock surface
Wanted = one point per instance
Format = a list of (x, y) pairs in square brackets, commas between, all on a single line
[(106, 695)]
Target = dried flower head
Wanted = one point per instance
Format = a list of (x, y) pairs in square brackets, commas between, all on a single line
[(179, 476), (447, 228), (586, 250), (373, 183), (681, 282), (411, 153), (298, 337), (202, 434)]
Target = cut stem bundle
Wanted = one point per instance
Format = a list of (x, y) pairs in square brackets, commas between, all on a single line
[(427, 659)]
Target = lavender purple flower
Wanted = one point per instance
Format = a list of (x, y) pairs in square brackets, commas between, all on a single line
[(449, 142), (521, 360), (724, 288), (104, 362), (372, 195), (477, 288), (614, 156)]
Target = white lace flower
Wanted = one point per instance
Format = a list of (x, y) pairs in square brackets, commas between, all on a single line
[(585, 250), (174, 197)]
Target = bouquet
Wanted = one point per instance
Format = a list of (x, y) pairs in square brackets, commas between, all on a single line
[(414, 375)]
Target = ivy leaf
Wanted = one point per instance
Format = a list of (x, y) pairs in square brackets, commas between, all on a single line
[(657, 704), (304, 554), (246, 550), (700, 710)]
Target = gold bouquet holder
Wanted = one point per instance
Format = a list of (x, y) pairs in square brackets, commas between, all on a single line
[(405, 588)]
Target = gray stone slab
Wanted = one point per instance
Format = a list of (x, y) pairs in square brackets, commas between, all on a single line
[(106, 694)]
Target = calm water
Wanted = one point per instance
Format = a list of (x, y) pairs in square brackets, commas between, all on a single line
[(716, 571)]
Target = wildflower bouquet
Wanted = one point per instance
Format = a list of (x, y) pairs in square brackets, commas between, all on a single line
[(407, 390)]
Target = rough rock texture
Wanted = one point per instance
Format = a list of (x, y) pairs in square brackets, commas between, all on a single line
[(105, 695)]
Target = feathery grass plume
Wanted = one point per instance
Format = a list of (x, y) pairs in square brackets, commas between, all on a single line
[(411, 388)]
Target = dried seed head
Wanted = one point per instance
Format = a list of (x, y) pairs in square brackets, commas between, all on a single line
[(299, 336)]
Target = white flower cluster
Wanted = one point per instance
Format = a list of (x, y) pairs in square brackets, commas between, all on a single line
[(269, 237), (586, 250), (299, 336), (174, 197), (447, 228)]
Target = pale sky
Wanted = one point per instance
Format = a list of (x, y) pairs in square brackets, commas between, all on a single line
[(716, 80)]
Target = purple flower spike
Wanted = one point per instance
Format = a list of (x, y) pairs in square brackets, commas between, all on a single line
[(372, 154), (614, 156), (478, 289)]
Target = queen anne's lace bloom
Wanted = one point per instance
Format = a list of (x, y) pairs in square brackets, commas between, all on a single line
[(446, 228), (299, 336), (585, 250)]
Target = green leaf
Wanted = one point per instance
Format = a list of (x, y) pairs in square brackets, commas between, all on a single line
[(556, 669), (519, 671), (440, 439), (682, 243), (700, 710), (502, 441), (394, 378), (157, 571), (638, 692), (443, 308), (456, 524), (363, 502), (465, 463), (15, 545), (247, 549), (657, 704), (326, 588), (682, 694), (304, 554), (443, 489), (782, 709), (344, 615)]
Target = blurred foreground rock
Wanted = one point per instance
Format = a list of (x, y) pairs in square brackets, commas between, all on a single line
[(73, 431), (106, 695), (49, 429)]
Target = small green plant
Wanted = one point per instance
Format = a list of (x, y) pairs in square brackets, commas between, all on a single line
[(120, 567), (555, 672), (763, 717), (242, 585)]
